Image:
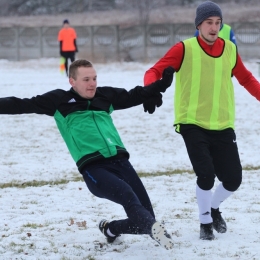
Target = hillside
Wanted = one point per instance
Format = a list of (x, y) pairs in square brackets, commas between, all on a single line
[(171, 14)]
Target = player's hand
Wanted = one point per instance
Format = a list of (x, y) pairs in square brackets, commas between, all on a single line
[(151, 104), (167, 77)]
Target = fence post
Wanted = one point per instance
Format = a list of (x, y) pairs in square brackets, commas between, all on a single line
[(117, 44), (41, 43), (17, 31), (92, 42), (145, 42)]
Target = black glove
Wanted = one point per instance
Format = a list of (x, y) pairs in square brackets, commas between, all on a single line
[(153, 102), (167, 77), (162, 84)]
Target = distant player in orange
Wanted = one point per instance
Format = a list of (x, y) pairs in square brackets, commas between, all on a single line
[(68, 46)]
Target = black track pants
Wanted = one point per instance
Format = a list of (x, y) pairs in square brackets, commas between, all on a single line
[(117, 181), (68, 55)]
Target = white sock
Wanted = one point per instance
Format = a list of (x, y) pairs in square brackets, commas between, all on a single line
[(204, 204), (109, 233), (219, 196)]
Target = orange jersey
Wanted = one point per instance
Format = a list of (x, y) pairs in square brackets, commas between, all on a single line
[(67, 36)]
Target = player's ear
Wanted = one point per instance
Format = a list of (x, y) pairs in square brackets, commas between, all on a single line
[(72, 82)]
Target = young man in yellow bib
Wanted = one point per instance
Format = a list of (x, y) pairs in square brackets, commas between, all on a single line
[(204, 108), (225, 32)]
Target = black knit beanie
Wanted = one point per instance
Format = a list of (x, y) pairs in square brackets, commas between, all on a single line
[(206, 10)]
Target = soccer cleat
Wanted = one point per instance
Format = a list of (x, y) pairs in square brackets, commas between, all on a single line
[(160, 235), (206, 232), (103, 227), (219, 223)]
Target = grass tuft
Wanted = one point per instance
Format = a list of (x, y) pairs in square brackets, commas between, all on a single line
[(79, 178)]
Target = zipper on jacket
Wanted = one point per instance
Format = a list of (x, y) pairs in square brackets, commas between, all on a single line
[(100, 132)]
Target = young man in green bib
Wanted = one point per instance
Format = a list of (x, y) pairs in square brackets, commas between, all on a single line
[(204, 108), (83, 117)]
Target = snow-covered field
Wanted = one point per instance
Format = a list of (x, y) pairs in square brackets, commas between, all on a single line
[(60, 221)]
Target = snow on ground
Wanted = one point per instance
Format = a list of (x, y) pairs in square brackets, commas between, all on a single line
[(60, 221)]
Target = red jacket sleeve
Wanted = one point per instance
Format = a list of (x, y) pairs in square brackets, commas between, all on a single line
[(172, 58), (246, 79)]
